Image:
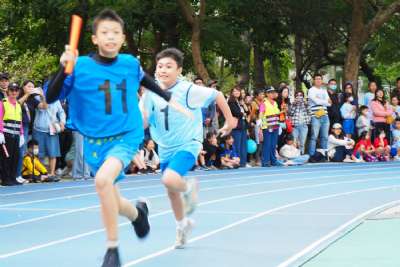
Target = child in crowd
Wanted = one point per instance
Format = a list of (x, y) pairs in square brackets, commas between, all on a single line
[(364, 148), (32, 169), (382, 148), (395, 150), (340, 147), (211, 147), (291, 154), (149, 156), (229, 155), (394, 101), (348, 112), (363, 123)]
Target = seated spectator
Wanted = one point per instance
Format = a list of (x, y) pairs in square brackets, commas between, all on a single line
[(363, 122), (32, 169), (340, 147), (212, 155), (395, 150), (382, 148), (137, 165), (229, 155), (291, 154), (149, 156), (364, 148)]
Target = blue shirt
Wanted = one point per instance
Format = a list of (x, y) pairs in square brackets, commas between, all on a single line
[(173, 131), (103, 98)]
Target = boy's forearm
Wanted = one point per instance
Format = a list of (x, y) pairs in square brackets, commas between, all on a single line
[(55, 85), (150, 84)]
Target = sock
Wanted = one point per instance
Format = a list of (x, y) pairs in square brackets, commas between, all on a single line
[(188, 188), (112, 243), (182, 223)]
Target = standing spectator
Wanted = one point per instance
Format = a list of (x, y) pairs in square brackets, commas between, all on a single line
[(254, 117), (319, 101), (394, 101), (381, 110), (239, 111), (269, 113), (396, 91), (3, 85), (11, 135), (284, 106), (229, 156), (348, 112), (370, 95), (363, 122), (80, 169), (334, 109), (215, 117), (300, 116), (349, 89), (66, 139), (48, 124), (340, 148), (211, 147), (30, 98)]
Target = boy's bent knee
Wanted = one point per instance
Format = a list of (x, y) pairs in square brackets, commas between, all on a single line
[(102, 183)]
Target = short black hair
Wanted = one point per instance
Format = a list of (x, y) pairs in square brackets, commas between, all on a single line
[(173, 53), (198, 79), (317, 75), (210, 134), (332, 80), (398, 79), (362, 108), (32, 143), (106, 14)]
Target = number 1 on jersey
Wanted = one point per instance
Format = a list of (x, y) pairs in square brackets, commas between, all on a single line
[(165, 111)]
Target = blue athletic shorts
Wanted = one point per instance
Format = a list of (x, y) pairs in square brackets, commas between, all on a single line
[(123, 147), (181, 162)]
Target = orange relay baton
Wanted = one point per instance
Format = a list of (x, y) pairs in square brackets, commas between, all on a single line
[(76, 26)]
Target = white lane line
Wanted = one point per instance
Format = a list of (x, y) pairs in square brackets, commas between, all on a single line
[(15, 204), (60, 241), (163, 195), (131, 179), (251, 218), (310, 248)]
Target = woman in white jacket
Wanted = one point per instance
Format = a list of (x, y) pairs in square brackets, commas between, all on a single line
[(340, 147)]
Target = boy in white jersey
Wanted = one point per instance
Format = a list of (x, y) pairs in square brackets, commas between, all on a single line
[(180, 138)]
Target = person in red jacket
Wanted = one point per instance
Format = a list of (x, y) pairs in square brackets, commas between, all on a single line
[(382, 148)]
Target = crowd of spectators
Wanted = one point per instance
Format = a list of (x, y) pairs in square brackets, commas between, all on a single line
[(275, 127)]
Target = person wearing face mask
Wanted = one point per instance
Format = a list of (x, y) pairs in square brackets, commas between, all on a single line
[(33, 170), (300, 116), (348, 112), (334, 109)]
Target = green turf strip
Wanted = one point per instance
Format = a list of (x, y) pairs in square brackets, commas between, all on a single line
[(375, 243)]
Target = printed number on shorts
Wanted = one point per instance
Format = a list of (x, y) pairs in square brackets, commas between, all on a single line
[(107, 91)]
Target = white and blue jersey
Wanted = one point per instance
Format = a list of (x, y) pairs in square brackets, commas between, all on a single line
[(173, 131)]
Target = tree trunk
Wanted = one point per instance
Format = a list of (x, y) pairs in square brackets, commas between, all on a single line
[(194, 21), (244, 76), (298, 55), (259, 72)]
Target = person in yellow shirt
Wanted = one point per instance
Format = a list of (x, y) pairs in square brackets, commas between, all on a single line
[(32, 169), (269, 114)]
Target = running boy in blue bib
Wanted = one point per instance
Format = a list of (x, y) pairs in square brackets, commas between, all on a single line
[(102, 93), (180, 138)]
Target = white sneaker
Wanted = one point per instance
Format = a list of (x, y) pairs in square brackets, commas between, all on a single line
[(190, 197), (348, 160), (59, 172), (22, 180), (183, 233), (249, 165)]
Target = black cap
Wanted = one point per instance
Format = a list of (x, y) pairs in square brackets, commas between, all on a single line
[(4, 76), (13, 86), (270, 89), (289, 137)]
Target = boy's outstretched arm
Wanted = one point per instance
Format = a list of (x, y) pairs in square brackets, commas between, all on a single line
[(230, 121)]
